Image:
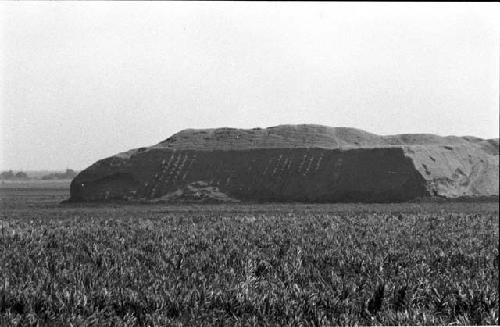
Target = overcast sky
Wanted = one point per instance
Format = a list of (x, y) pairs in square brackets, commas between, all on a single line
[(83, 81)]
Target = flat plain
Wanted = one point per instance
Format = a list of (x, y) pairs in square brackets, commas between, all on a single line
[(245, 264)]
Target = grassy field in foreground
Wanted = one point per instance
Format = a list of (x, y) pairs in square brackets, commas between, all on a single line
[(382, 264)]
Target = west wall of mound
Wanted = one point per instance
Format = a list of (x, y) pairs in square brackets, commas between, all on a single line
[(291, 174)]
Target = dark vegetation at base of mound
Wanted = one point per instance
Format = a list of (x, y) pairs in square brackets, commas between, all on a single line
[(321, 265)]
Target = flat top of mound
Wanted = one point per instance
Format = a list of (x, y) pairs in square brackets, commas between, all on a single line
[(306, 136)]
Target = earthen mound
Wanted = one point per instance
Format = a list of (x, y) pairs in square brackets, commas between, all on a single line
[(309, 163)]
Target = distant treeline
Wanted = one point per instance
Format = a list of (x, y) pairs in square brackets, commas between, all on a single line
[(11, 175), (21, 175), (68, 174)]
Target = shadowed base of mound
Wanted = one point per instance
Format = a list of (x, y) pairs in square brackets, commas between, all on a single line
[(196, 192)]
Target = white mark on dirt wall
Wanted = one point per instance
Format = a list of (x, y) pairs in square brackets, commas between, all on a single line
[(188, 168), (285, 163), (274, 170), (174, 165), (170, 159), (180, 166), (282, 163), (309, 165), (319, 161), (302, 162)]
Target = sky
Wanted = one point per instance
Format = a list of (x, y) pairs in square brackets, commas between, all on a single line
[(81, 81)]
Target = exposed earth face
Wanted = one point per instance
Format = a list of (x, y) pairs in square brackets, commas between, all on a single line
[(303, 163)]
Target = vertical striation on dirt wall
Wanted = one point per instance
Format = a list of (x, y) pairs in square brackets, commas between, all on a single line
[(303, 163)]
